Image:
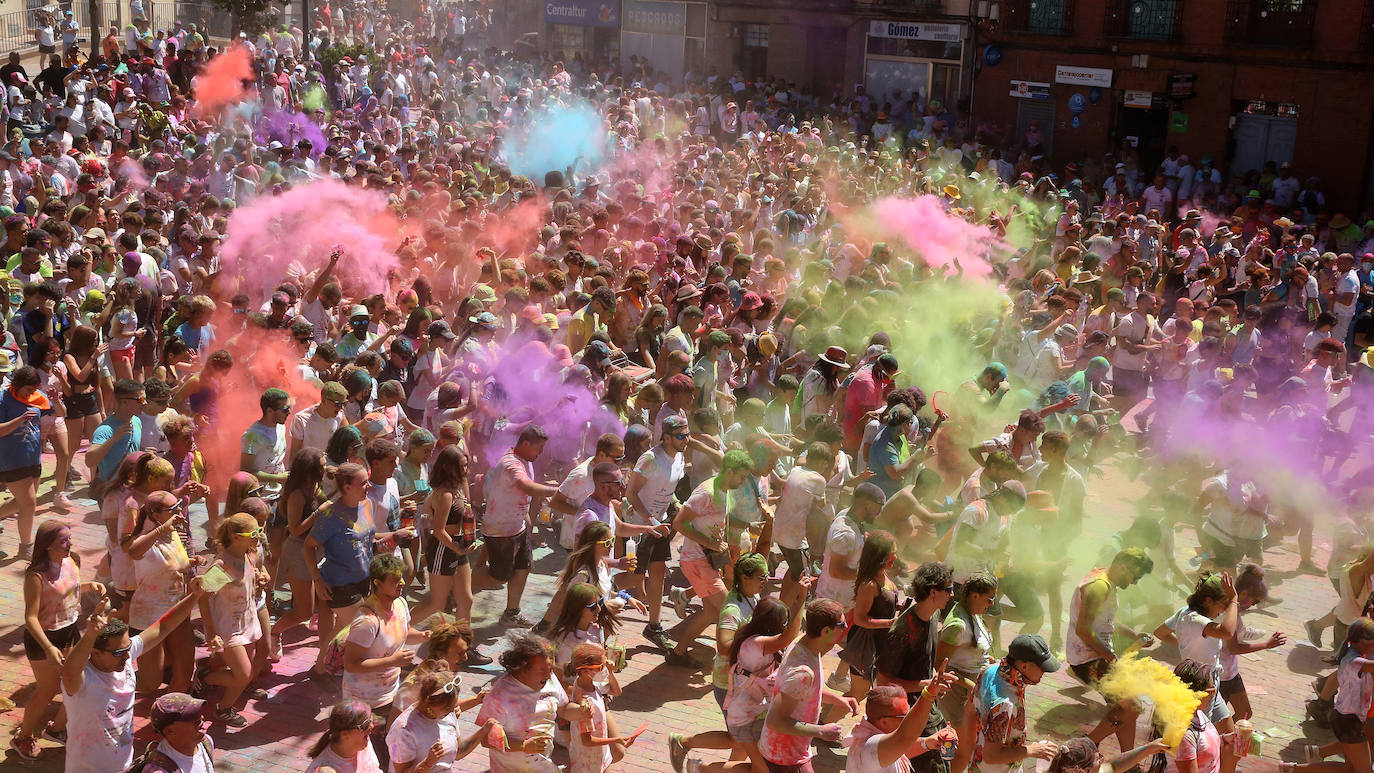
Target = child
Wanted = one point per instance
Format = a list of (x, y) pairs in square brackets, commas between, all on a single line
[(585, 619), (595, 742), (1355, 677)]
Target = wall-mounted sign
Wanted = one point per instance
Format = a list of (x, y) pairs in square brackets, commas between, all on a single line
[(910, 30), (1138, 99), (1083, 76), (1030, 90), (1178, 123), (656, 18), (583, 13), (1077, 103), (992, 55), (1181, 85)]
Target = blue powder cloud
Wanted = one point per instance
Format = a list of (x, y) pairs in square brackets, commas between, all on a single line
[(557, 137)]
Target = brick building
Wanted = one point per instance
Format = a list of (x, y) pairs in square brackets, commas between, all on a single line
[(1246, 80)]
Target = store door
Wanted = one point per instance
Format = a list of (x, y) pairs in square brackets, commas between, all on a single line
[(1041, 111), (1149, 126), (1261, 138)]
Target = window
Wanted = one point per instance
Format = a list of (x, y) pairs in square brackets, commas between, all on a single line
[(1276, 23), (568, 38), (1039, 17), (756, 35), (1144, 19)]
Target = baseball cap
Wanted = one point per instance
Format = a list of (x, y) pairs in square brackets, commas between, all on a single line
[(440, 329), (486, 319), (674, 423), (1030, 648), (889, 363), (402, 348), (175, 707), (484, 293)]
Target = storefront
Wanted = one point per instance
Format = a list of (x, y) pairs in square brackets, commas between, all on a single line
[(589, 29), (670, 35), (905, 56)]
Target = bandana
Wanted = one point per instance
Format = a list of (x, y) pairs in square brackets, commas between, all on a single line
[(36, 400)]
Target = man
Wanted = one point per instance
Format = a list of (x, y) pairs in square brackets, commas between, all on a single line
[(98, 680), (262, 450), (706, 547), (119, 435), (891, 731), (981, 535), (844, 543), (358, 337), (1054, 474), (312, 427), (802, 502), (578, 485), (319, 301), (1345, 296), (1136, 337), (867, 391), (906, 659), (507, 524), (1019, 443), (796, 708), (997, 709), (681, 338), (651, 503), (185, 746), (590, 319), (1092, 623)]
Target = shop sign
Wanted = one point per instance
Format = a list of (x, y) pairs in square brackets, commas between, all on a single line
[(1181, 85), (1030, 90), (1178, 123), (656, 17), (1083, 76), (1143, 99), (911, 30), (583, 13)]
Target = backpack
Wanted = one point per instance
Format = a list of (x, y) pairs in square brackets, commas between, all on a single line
[(154, 760), (334, 651)]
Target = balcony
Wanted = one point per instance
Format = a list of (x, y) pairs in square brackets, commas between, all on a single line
[(1143, 19), (1271, 23), (1038, 17)]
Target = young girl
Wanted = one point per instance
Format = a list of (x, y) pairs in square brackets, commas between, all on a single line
[(1200, 629), (875, 607), (300, 496), (161, 570), (965, 640), (52, 603), (1202, 750), (425, 738), (230, 615), (80, 397), (346, 746), (1349, 712), (1251, 589), (591, 562), (585, 617), (596, 743), (52, 382), (449, 647), (454, 535), (124, 330)]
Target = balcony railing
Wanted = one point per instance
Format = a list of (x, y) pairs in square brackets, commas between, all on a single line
[(1143, 19), (1039, 17), (1272, 23)]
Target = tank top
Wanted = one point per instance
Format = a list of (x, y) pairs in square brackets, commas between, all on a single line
[(234, 611), (59, 602), (1078, 652)]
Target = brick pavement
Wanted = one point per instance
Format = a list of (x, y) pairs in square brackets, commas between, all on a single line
[(673, 700)]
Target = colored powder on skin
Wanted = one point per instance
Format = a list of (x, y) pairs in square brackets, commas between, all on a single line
[(221, 82), (289, 128), (313, 99), (938, 238), (1136, 677), (558, 137), (294, 233)]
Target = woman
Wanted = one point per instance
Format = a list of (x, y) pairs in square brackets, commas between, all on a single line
[(616, 400), (53, 427), (161, 571), (591, 562), (1200, 628), (81, 399), (755, 655), (175, 354), (345, 445), (1350, 711), (965, 640), (52, 604), (1251, 589), (649, 335), (22, 407), (1081, 755), (1202, 749), (345, 746), (448, 510), (300, 497), (527, 703), (124, 330), (230, 615), (449, 647), (425, 738), (820, 382), (875, 607)]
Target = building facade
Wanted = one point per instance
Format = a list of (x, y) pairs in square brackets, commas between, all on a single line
[(1248, 81)]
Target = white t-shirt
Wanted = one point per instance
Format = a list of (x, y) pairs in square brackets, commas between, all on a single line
[(863, 752), (312, 429), (199, 761), (379, 639), (364, 761), (100, 717), (1193, 644), (578, 485), (803, 490), (844, 536), (710, 517), (751, 693), (413, 733), (507, 506), (1355, 688), (267, 446), (661, 472)]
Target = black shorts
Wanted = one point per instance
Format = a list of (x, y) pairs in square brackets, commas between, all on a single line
[(797, 562), (653, 550), (341, 596), (1232, 687), (1347, 728), (442, 561), (1088, 673), (81, 405), (21, 473), (508, 555), (62, 638), (1130, 384), (47, 49)]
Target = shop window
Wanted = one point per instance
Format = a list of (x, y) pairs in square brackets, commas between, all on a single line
[(569, 39), (1039, 17), (1144, 19)]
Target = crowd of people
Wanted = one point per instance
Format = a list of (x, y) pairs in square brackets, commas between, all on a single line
[(690, 378)]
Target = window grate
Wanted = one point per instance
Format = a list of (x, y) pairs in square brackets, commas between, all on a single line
[(1272, 23), (1143, 19), (1039, 17)]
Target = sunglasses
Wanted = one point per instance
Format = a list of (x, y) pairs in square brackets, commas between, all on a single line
[(592, 667), (609, 541), (256, 533), (172, 508), (680, 436), (449, 689), (122, 652), (596, 604)]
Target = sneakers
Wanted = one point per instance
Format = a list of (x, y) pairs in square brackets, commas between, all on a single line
[(838, 680), (477, 658), (1314, 633), (682, 660), (55, 735), (26, 746), (677, 750), (257, 694), (61, 504), (230, 716), (1311, 754), (659, 637), (540, 628), (512, 618), (679, 598)]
